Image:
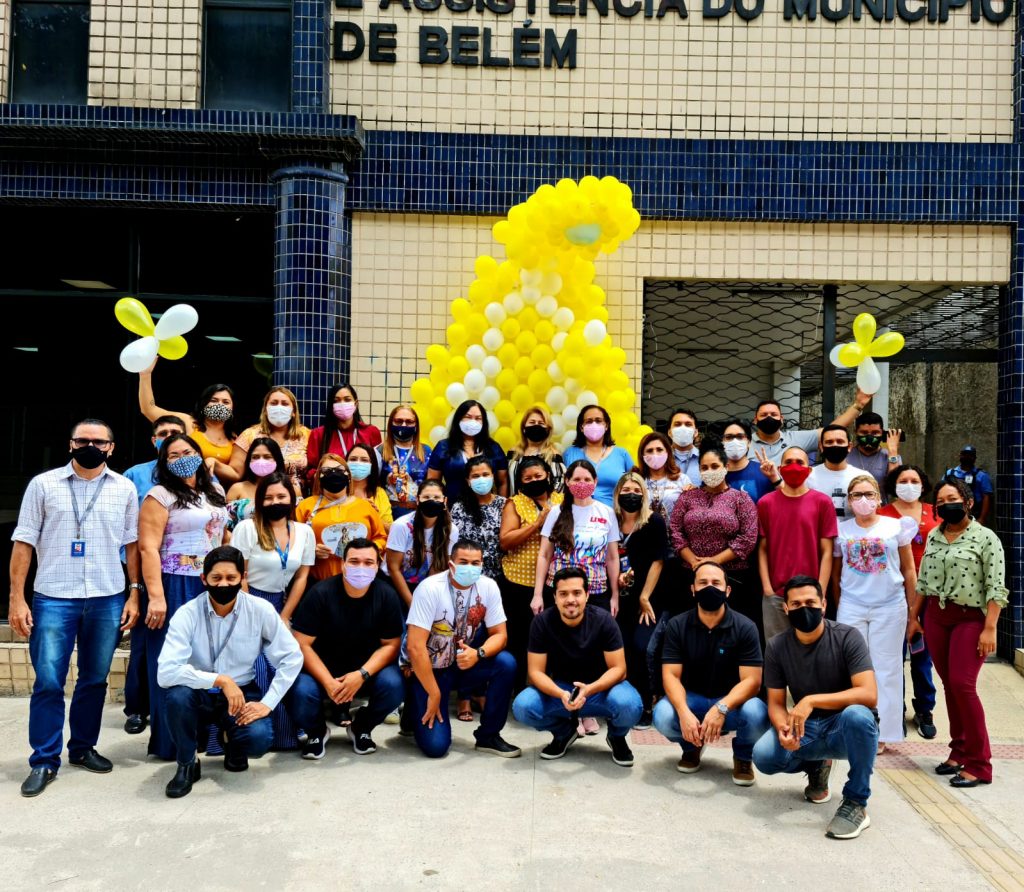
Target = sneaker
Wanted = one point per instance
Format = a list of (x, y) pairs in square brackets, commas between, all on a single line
[(689, 762), (590, 726), (362, 742), (849, 820), (742, 772), (621, 753), (559, 746), (646, 720), (498, 747), (394, 717), (315, 747), (817, 790), (925, 725)]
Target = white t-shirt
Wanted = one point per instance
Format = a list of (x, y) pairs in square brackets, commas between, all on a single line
[(265, 572), (594, 528), (834, 484), (400, 539), (870, 558), (433, 608)]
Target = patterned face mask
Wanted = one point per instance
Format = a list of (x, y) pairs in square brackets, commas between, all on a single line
[(217, 412)]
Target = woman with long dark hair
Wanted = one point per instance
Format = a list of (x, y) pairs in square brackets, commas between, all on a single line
[(182, 519), (419, 543), (595, 444), (365, 471), (404, 460), (468, 436), (341, 428), (264, 458)]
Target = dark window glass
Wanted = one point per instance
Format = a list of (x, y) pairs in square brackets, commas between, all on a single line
[(247, 61), (50, 52)]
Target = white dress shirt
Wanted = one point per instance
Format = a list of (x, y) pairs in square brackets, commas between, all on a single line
[(186, 658), (47, 523)]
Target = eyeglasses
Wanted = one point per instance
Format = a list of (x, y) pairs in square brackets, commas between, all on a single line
[(855, 496), (728, 438), (82, 442), (404, 423)]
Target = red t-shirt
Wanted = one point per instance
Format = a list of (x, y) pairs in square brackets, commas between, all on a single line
[(928, 522), (793, 527)]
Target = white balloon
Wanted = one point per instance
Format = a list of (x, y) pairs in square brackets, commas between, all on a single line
[(513, 303), (176, 321), (456, 393), (492, 422), (568, 437), (555, 372), (569, 415), (558, 341), (563, 319), (489, 397), (551, 283), (139, 355), (493, 339), (572, 387), (547, 306), (475, 382), (557, 399), (869, 379), (530, 295), (587, 398), (475, 356), (491, 366), (594, 332), (558, 426), (531, 277), (495, 313), (437, 434), (833, 357)]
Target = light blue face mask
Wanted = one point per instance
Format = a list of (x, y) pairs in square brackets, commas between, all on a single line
[(359, 470), (159, 443), (466, 574), (481, 485)]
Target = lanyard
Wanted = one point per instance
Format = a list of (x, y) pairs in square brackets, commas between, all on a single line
[(81, 518), (283, 554), (215, 654), (319, 502)]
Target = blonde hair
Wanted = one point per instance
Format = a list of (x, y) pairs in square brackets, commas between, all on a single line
[(547, 449), (864, 478), (387, 448), (645, 512), (295, 428)]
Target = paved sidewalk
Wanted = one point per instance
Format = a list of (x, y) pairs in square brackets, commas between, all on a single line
[(394, 820)]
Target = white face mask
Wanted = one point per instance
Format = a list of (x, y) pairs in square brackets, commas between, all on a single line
[(713, 478), (683, 436), (736, 449), (908, 492), (279, 416), (470, 427)]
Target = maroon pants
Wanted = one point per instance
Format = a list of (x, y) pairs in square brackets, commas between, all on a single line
[(952, 634)]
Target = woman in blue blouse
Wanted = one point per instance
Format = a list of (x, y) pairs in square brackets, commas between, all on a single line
[(468, 436), (595, 444), (405, 458)]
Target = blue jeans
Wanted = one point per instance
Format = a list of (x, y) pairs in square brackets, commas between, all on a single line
[(749, 721), (305, 701), (189, 712), (851, 734), (497, 674), (620, 705), (921, 679), (136, 679), (57, 623)]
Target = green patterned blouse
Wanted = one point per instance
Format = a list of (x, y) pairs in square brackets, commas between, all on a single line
[(971, 571)]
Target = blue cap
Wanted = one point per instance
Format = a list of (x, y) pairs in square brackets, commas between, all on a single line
[(968, 449)]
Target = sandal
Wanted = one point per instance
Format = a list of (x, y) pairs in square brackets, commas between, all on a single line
[(465, 713)]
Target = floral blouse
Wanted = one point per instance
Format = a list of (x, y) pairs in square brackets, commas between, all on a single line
[(191, 533), (485, 533), (708, 524)]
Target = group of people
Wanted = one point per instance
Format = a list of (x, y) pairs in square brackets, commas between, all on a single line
[(282, 580)]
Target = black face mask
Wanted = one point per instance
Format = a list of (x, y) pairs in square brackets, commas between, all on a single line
[(536, 433), (534, 488), (835, 454), (710, 598), (224, 594), (967, 461), (805, 619), (869, 441), (952, 512), (431, 509), (89, 457), (769, 425), (631, 502), (334, 481), (402, 433), (277, 511)]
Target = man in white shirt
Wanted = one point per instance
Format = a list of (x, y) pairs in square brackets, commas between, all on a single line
[(833, 477), (448, 611), (206, 664), (76, 518)]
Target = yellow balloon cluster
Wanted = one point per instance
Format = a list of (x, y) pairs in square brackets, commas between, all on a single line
[(533, 328), (865, 348)]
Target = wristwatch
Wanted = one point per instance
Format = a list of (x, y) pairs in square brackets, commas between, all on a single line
[(722, 708), (137, 585), (894, 460), (364, 673), (480, 653)]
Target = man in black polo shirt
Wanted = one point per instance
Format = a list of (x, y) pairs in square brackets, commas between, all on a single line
[(349, 628), (577, 668), (711, 670)]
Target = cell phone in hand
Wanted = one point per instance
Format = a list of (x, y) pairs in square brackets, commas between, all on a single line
[(575, 693), (917, 643)]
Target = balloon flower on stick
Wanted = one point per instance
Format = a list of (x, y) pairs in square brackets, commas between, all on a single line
[(862, 352), (163, 338)]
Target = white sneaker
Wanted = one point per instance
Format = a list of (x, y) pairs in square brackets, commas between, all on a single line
[(393, 718)]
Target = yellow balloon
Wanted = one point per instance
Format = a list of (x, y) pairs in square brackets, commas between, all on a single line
[(851, 355), (510, 328), (526, 341), (505, 411), (439, 408), (522, 397), (864, 329), (457, 367), (544, 331), (508, 354), (505, 438), (440, 379), (457, 334), (421, 390), (173, 348), (485, 266), (888, 344), (574, 367), (437, 355), (542, 354), (134, 316), (539, 382), (529, 318), (575, 345), (505, 381), (618, 402), (461, 309), (523, 367), (477, 324)]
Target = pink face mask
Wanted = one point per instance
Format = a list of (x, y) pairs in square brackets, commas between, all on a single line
[(344, 411), (656, 460), (263, 466), (582, 490), (864, 507), (594, 431)]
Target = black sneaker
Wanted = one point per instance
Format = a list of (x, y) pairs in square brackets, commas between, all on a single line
[(817, 790), (316, 747), (925, 725), (559, 746), (621, 753), (498, 746), (646, 720), (362, 742)]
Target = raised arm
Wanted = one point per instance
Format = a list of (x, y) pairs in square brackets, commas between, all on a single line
[(147, 401)]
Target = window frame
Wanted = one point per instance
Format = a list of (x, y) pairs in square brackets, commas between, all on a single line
[(11, 59)]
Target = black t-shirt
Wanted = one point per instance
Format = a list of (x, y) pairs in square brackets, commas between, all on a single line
[(575, 653), (641, 548), (348, 630), (824, 667), (711, 658)]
